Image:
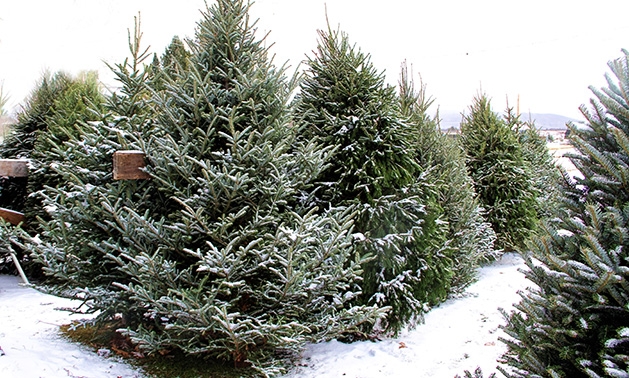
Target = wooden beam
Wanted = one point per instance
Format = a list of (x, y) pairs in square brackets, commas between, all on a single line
[(13, 167), (11, 216), (129, 164)]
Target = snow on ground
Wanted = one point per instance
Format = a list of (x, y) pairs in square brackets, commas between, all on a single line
[(32, 346), (459, 335)]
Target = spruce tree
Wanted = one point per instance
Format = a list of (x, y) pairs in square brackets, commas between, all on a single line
[(214, 255), (50, 115), (20, 142), (574, 322), (502, 177), (344, 104), (470, 235), (546, 175), (79, 209)]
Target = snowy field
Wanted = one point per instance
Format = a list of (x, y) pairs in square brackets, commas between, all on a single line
[(459, 335)]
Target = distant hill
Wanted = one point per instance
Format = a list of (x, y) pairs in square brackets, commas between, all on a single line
[(542, 121)]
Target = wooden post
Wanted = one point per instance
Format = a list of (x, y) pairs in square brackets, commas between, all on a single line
[(129, 164), (13, 167), (11, 216)]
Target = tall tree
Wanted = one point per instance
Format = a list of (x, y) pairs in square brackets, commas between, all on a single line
[(502, 177), (344, 104), (574, 321), (546, 175), (213, 255), (469, 234)]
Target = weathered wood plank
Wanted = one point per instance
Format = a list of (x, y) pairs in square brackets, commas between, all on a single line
[(11, 216), (129, 164), (13, 167)]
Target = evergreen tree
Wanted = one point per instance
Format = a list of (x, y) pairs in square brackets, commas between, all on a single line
[(501, 175), (470, 235), (49, 117), (344, 104), (20, 142), (546, 176), (174, 61), (574, 322), (213, 255)]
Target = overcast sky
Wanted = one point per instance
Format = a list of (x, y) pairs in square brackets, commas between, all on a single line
[(546, 52)]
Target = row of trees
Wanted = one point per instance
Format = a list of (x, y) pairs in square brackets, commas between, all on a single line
[(270, 220)]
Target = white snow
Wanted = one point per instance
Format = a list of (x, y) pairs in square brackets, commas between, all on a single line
[(459, 335), (32, 344)]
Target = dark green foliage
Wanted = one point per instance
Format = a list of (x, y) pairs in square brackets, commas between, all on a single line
[(470, 235), (546, 176), (214, 255), (345, 105), (173, 63), (57, 109), (502, 177), (574, 322), (20, 142)]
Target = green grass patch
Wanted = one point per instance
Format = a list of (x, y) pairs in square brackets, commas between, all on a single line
[(168, 364)]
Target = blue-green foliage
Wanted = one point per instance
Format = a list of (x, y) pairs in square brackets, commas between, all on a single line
[(215, 254), (574, 322)]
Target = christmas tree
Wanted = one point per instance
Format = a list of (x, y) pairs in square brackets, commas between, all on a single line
[(574, 322), (344, 104), (502, 176), (56, 108), (215, 255), (546, 175), (470, 235)]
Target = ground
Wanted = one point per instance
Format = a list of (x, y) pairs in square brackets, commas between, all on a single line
[(459, 335)]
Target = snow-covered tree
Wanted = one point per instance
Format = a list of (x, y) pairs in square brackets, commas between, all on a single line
[(574, 322), (344, 104), (469, 235), (214, 255), (55, 110)]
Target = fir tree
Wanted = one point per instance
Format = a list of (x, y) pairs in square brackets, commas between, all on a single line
[(344, 104), (58, 104), (19, 144), (212, 255), (501, 175), (574, 322), (546, 176), (470, 235)]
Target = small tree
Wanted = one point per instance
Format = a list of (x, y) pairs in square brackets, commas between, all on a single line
[(344, 104), (574, 322), (501, 175)]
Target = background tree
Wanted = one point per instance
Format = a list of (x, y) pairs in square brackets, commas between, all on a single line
[(57, 105), (546, 175), (501, 175), (470, 236), (573, 323), (344, 104)]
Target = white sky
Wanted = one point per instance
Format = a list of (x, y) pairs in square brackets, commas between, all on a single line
[(547, 52)]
